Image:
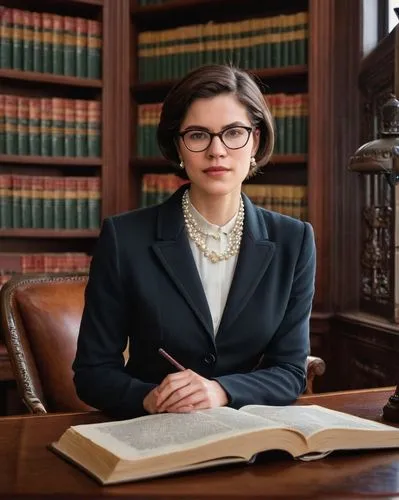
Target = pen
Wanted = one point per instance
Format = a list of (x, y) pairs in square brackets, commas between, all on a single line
[(171, 360)]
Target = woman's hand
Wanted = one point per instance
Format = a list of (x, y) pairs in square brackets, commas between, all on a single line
[(186, 391), (150, 401)]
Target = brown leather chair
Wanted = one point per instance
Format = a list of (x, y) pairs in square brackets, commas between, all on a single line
[(40, 319)]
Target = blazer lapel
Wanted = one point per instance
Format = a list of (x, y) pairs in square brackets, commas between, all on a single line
[(256, 253), (173, 251)]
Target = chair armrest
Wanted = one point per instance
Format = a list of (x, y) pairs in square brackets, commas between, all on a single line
[(314, 366)]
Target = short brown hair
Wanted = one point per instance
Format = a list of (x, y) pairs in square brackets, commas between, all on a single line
[(209, 81)]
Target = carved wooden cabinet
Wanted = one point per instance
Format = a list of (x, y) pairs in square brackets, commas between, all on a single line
[(365, 338)]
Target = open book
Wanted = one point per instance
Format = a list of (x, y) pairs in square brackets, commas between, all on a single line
[(162, 444)]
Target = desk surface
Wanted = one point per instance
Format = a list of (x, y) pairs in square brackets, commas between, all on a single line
[(29, 470)]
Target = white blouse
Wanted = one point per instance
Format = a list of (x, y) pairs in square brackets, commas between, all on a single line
[(216, 277)]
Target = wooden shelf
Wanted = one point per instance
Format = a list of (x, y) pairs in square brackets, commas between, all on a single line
[(49, 233), (54, 5), (32, 76), (158, 163), (147, 91), (99, 3), (86, 2), (172, 5), (288, 159), (63, 161), (177, 10)]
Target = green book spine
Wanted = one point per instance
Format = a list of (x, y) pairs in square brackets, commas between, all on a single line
[(305, 122), (47, 38), (301, 38), (286, 31), (276, 42), (82, 209), (289, 123), (81, 127), (265, 56), (71, 215), (297, 125), (38, 188), (11, 125), (144, 190), (2, 124), (94, 128), (69, 46), (34, 126), (280, 125), (59, 203), (147, 112), (17, 34), (70, 125), (81, 47), (6, 38), (16, 201), (291, 39), (27, 41), (48, 202), (94, 49), (37, 42), (26, 201), (5, 201), (23, 125), (45, 126), (94, 204), (58, 127), (139, 131), (58, 44), (146, 53)]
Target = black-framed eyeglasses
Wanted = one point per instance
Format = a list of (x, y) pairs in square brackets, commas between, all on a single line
[(232, 137)]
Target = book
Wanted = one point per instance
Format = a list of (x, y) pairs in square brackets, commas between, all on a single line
[(164, 444)]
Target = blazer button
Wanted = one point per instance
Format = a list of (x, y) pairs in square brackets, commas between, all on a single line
[(210, 359)]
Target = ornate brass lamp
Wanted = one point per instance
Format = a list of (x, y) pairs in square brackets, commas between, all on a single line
[(378, 163)]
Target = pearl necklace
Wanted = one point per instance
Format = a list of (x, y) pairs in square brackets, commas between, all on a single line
[(199, 237)]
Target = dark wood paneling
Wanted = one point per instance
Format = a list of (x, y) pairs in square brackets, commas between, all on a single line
[(116, 106), (366, 349), (334, 101)]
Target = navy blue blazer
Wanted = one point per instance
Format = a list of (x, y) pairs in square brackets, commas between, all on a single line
[(144, 286)]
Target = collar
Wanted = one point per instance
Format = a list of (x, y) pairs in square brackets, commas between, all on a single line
[(207, 227)]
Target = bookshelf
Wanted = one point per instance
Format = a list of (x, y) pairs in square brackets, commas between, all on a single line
[(51, 106)]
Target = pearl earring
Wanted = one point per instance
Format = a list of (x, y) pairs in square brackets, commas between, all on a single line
[(252, 162), (181, 165)]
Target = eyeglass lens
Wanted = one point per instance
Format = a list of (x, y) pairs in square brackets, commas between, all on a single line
[(233, 138)]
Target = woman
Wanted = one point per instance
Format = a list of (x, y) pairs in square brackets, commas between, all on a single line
[(223, 286)]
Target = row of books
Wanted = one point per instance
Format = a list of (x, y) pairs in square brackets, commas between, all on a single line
[(26, 263), (12, 264), (50, 126), (44, 202), (286, 199), (156, 188), (144, 3), (50, 43), (291, 116), (290, 112), (268, 42)]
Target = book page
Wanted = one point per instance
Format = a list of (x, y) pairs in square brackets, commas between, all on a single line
[(311, 419), (156, 434)]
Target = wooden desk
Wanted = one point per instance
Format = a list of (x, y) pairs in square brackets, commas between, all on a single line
[(28, 469)]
